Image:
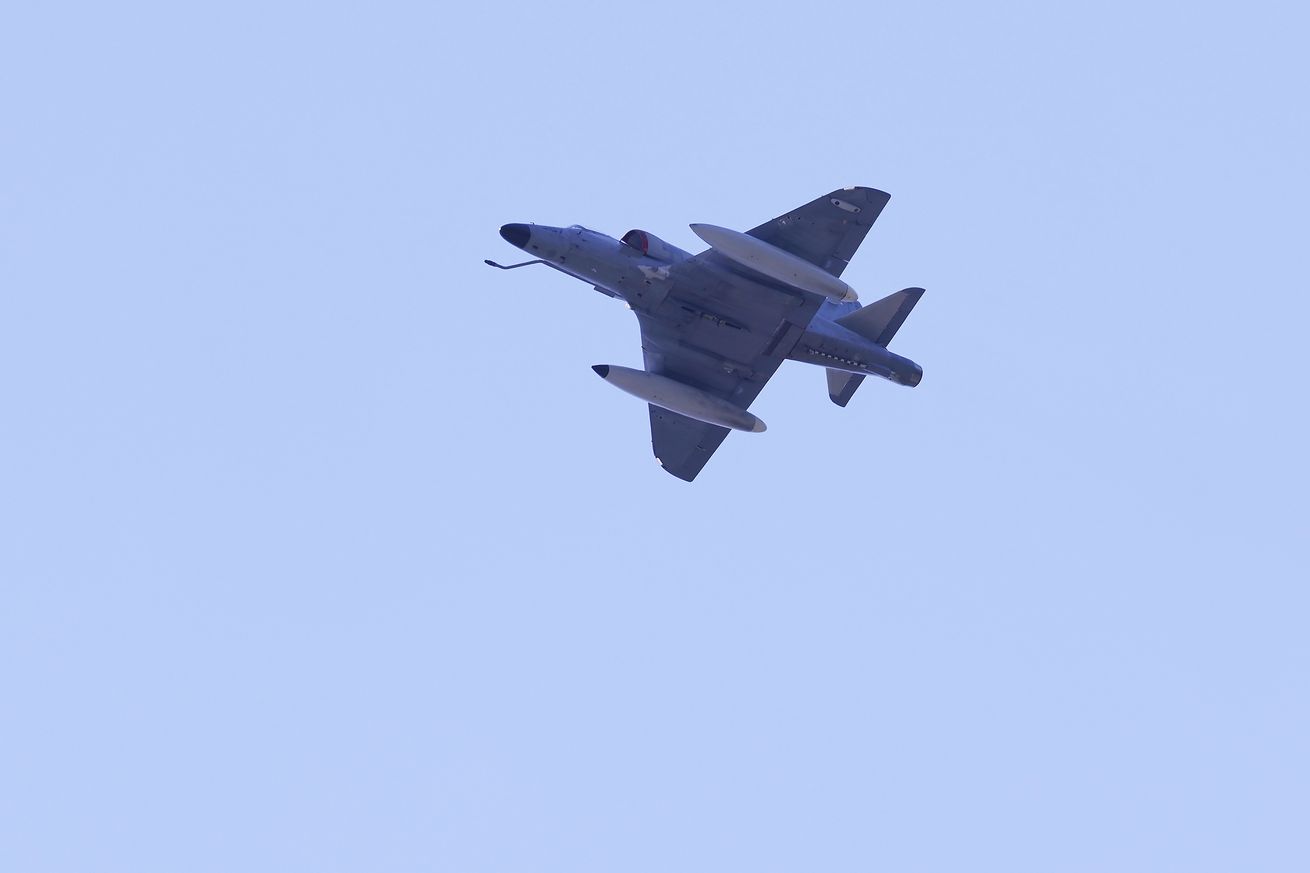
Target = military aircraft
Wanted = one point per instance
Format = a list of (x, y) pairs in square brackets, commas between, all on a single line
[(717, 325)]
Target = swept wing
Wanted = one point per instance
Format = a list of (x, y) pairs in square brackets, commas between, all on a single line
[(726, 329)]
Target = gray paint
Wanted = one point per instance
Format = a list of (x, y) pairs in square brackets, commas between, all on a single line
[(675, 396), (721, 329)]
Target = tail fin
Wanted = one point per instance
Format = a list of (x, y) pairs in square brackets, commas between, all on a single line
[(842, 385), (879, 321)]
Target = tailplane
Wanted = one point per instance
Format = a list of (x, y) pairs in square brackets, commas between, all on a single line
[(879, 321)]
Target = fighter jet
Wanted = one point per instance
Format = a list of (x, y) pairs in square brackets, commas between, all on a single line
[(716, 326)]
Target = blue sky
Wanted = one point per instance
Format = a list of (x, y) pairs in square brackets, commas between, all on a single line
[(322, 547)]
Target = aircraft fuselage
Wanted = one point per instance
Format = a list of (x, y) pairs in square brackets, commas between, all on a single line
[(623, 270)]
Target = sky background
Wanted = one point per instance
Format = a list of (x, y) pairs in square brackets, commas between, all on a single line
[(323, 549)]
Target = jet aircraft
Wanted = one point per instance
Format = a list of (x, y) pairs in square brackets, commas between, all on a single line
[(716, 326)]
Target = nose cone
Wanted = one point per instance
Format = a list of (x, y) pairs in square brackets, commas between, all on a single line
[(516, 234)]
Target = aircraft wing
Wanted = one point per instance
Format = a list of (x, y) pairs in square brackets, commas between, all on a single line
[(720, 333), (826, 231), (683, 445), (726, 329)]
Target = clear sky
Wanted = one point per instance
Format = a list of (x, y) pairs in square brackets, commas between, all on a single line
[(322, 548)]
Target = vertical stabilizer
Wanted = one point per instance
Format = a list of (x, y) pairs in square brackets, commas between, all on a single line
[(879, 321)]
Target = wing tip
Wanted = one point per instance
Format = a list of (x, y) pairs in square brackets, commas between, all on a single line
[(677, 474), (872, 194)]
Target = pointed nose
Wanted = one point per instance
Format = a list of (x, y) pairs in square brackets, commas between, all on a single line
[(516, 234)]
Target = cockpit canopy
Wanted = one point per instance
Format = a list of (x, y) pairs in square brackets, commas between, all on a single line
[(653, 247)]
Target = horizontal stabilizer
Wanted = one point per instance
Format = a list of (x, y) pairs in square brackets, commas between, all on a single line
[(842, 385), (879, 321)]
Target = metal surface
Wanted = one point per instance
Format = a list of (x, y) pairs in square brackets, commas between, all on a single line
[(715, 326), (674, 396), (774, 262)]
